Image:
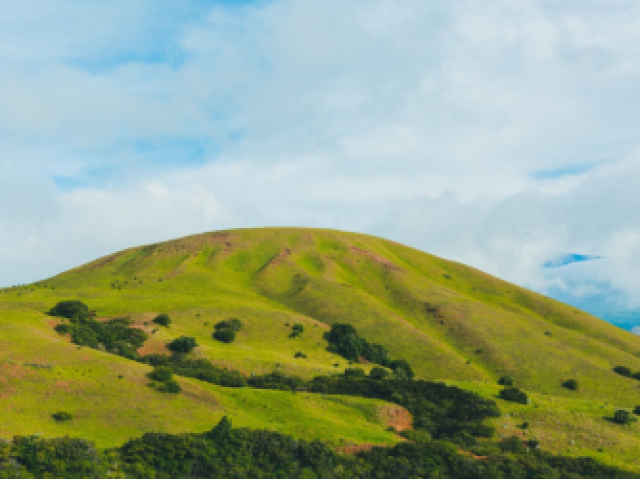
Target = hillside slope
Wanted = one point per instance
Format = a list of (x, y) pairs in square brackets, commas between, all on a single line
[(446, 319), (451, 322)]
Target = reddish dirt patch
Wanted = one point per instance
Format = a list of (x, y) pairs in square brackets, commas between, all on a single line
[(396, 416), (282, 256), (378, 259), (153, 347), (470, 454)]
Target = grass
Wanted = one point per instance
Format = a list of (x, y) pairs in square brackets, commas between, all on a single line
[(451, 322)]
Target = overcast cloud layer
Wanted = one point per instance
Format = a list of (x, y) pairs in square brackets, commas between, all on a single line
[(501, 134)]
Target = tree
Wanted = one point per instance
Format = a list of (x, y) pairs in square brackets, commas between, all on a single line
[(338, 331), (623, 371), (378, 373), (570, 384), (170, 386), (62, 416), (221, 430), (355, 373), (72, 310), (233, 323), (183, 344), (161, 373), (506, 381), (297, 330), (514, 395), (226, 335), (624, 416), (163, 320), (401, 368)]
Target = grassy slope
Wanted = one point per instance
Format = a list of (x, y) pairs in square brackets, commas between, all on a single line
[(449, 321)]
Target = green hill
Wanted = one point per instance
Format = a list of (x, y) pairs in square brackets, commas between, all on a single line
[(449, 321)]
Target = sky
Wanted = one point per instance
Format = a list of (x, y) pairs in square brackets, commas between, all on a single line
[(501, 134)]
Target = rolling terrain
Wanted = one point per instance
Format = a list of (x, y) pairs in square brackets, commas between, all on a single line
[(450, 322)]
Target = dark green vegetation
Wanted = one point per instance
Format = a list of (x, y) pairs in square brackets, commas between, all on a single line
[(62, 416), (344, 340), (446, 321), (183, 344), (226, 330), (114, 336), (514, 395), (163, 320), (244, 453)]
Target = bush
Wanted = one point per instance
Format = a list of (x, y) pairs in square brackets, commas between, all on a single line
[(355, 373), (62, 416), (401, 369), (73, 310), (300, 354), (514, 395), (233, 323), (624, 416), (63, 328), (570, 384), (636, 411), (623, 371), (378, 373), (163, 320), (161, 373), (226, 335), (183, 344), (170, 386), (297, 330), (506, 381)]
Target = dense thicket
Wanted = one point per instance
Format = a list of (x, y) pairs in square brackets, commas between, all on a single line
[(201, 369), (444, 411), (344, 340), (225, 452), (115, 336)]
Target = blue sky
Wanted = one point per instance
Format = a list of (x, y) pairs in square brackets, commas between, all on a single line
[(502, 135)]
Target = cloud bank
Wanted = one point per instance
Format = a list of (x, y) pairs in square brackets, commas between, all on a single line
[(501, 135)]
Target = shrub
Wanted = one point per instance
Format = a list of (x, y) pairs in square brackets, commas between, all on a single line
[(623, 371), (62, 328), (378, 373), (62, 416), (297, 330), (161, 373), (355, 373), (183, 344), (624, 416), (163, 320), (73, 310), (300, 354), (514, 395), (636, 411), (170, 386), (401, 369), (506, 381), (570, 384), (226, 335), (233, 323)]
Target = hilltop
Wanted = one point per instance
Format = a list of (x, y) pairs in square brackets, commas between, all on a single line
[(450, 322)]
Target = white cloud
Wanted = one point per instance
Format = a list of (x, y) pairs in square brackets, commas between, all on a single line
[(426, 122)]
